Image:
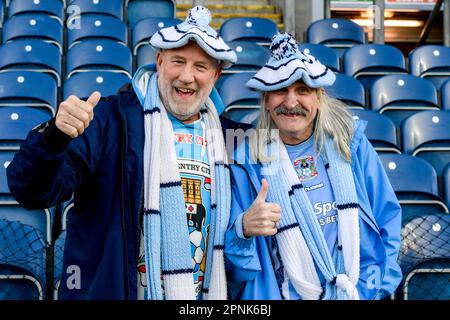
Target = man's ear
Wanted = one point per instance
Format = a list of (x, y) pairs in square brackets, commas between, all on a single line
[(218, 73), (158, 60)]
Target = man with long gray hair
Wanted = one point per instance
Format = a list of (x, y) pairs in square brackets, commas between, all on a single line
[(313, 213)]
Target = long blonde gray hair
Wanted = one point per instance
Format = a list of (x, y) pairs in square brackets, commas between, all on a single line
[(333, 120)]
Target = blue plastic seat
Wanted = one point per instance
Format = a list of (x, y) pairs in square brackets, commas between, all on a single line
[(238, 99), (83, 84), (380, 131), (142, 9), (106, 55), (250, 58), (53, 7), (98, 27), (399, 96), (144, 30), (348, 90), (31, 55), (427, 135), (108, 7), (446, 183), (146, 55), (36, 25), (445, 95), (415, 183), (2, 13), (425, 258), (260, 30), (28, 89), (324, 54), (58, 252), (432, 62), (16, 123), (339, 34), (369, 62)]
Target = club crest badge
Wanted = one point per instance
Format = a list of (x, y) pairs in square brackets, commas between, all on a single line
[(305, 168)]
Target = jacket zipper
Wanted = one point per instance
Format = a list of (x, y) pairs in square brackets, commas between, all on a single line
[(124, 234)]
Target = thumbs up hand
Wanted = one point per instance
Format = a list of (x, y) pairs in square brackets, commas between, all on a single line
[(262, 217), (74, 115)]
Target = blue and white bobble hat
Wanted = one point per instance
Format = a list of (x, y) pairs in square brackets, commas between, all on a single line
[(196, 27), (288, 65)]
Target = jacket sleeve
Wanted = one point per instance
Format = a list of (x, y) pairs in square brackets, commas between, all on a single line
[(242, 260), (387, 213), (39, 178)]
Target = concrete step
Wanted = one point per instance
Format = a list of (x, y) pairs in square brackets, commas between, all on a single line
[(227, 8), (228, 2), (276, 17)]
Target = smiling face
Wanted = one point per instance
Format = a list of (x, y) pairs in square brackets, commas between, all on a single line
[(293, 110), (186, 77)]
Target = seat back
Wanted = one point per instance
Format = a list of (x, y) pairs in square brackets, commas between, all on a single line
[(380, 131), (348, 90), (144, 30), (141, 9), (260, 30), (401, 95), (324, 54), (368, 62), (431, 61), (427, 135)]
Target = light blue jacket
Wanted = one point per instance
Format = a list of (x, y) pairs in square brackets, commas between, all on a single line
[(248, 261)]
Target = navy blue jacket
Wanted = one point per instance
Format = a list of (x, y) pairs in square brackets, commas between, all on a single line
[(104, 169)]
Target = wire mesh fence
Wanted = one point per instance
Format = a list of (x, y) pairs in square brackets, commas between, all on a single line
[(22, 262), (425, 258)]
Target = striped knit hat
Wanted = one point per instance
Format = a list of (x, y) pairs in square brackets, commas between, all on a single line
[(288, 65), (196, 28)]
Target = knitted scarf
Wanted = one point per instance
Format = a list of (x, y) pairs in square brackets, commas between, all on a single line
[(166, 236), (300, 239)]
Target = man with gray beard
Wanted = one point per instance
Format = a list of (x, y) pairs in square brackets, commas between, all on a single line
[(313, 214), (148, 172)]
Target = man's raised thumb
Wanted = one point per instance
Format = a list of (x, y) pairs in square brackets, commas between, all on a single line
[(94, 98), (262, 195)]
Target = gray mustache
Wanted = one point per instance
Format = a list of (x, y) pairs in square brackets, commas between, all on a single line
[(298, 111)]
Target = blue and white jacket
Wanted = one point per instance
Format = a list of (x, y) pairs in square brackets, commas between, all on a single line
[(248, 261)]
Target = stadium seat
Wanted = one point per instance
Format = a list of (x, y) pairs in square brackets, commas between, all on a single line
[(2, 12), (325, 55), (52, 8), (339, 34), (401, 95), (58, 254), (16, 123), (142, 9), (425, 258), (145, 55), (108, 7), (432, 62), (98, 27), (445, 95), (22, 261), (28, 89), (144, 30), (369, 62), (238, 99), (250, 58), (31, 55), (427, 135), (446, 183), (258, 30), (415, 183), (106, 55), (83, 84), (31, 26), (348, 90), (380, 131)]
